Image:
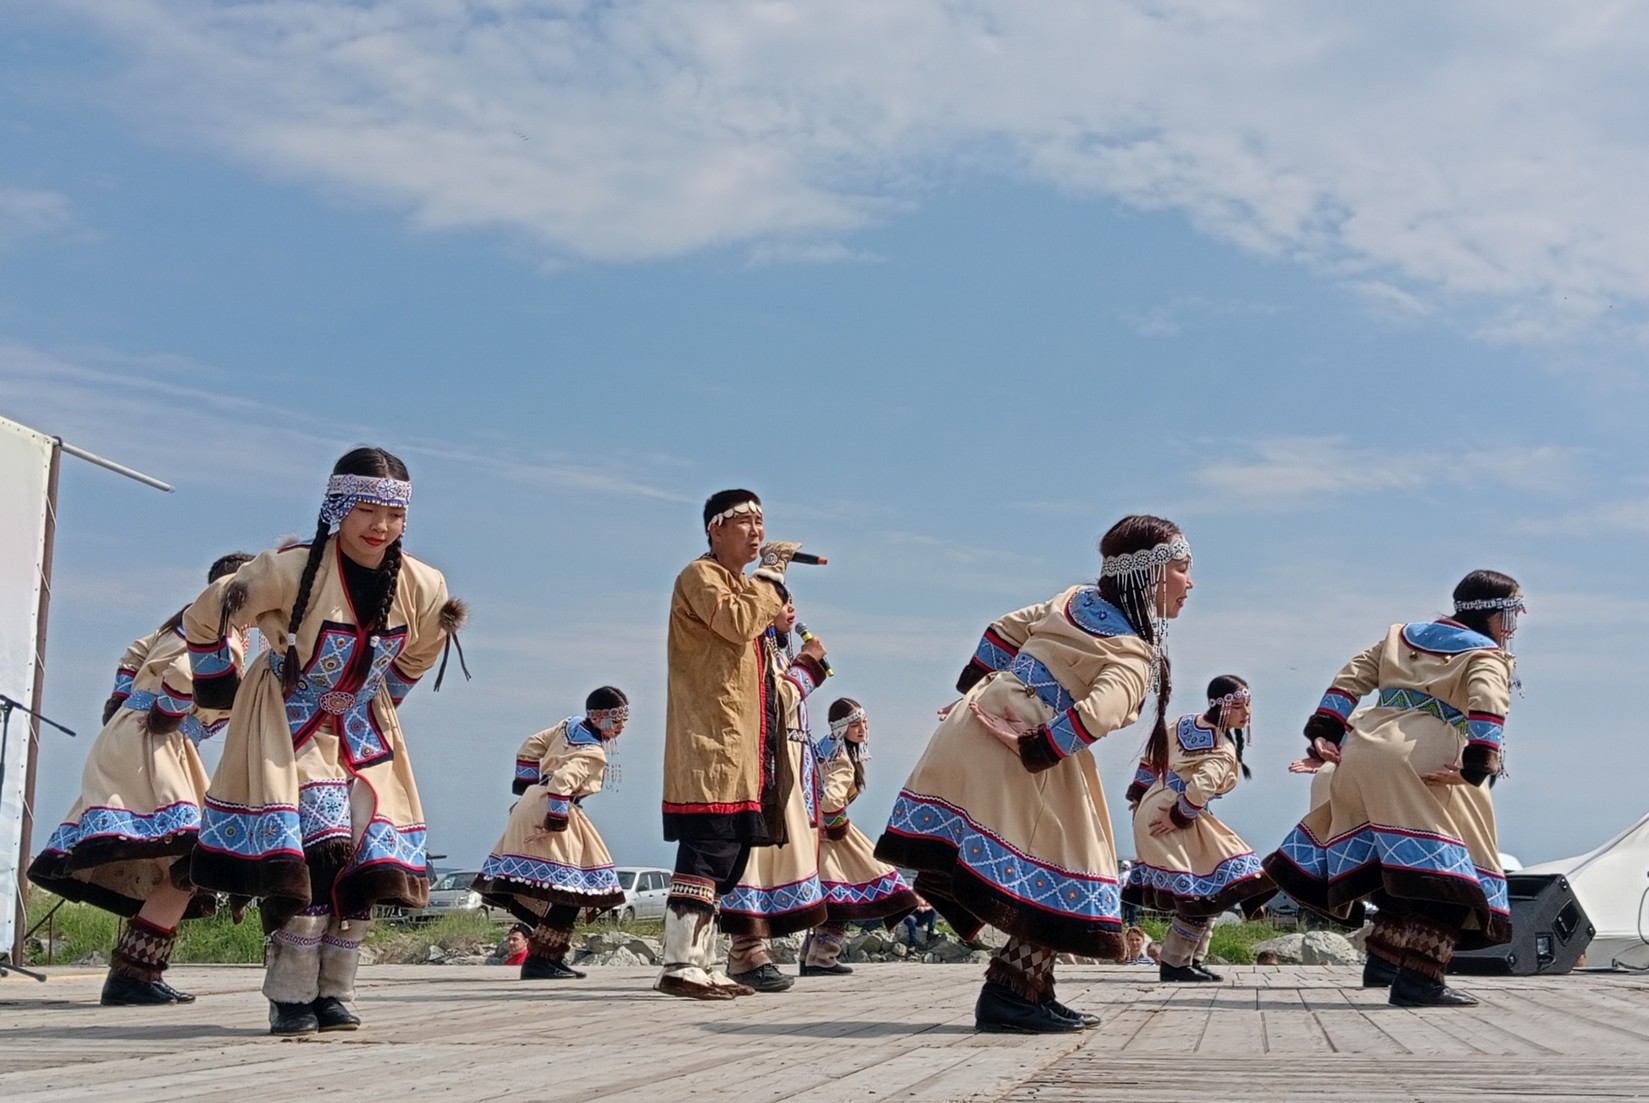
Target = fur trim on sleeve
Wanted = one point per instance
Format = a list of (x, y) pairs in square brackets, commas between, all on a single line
[(454, 615)]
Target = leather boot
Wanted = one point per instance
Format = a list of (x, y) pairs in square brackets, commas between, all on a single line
[(1378, 972), (289, 1019), (1001, 1010), (1414, 989)]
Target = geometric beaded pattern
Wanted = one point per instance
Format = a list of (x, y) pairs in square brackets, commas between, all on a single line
[(888, 885), (1193, 736), (323, 809), (1337, 703), (1426, 703), (542, 873), (1397, 848), (993, 652), (1090, 611), (383, 843), (318, 696), (250, 832), (1189, 885), (98, 822), (1018, 875), (1041, 680), (776, 901), (1066, 734)]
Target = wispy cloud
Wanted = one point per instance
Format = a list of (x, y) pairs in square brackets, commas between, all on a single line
[(31, 213), (1285, 472), (1498, 165)]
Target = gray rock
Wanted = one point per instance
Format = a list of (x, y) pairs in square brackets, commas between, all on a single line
[(990, 937), (786, 949), (436, 955), (369, 955), (94, 958), (899, 950), (950, 952), (1287, 947), (1328, 948), (646, 949)]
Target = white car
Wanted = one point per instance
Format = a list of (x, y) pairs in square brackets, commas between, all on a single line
[(452, 895), (646, 889)]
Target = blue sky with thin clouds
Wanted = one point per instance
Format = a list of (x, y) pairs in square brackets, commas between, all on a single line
[(1355, 296)]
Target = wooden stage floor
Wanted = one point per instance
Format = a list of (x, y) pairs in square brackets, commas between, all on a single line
[(889, 1032)]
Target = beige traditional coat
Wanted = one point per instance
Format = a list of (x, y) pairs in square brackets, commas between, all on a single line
[(1023, 841), (722, 734), (551, 853), (530, 755), (779, 892), (141, 788), (319, 782), (1443, 693), (1201, 867), (857, 885)]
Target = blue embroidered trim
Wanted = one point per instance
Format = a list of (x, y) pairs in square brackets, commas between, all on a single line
[(848, 894), (1094, 615), (250, 833), (1186, 808), (544, 873), (1034, 883), (123, 682), (1066, 734), (827, 747), (197, 733), (385, 844), (399, 684), (1338, 704), (1398, 848), (1485, 729), (170, 701), (317, 697), (1185, 884), (323, 810), (1144, 776), (1438, 638), (801, 679), (1426, 703), (1193, 736), (526, 770), (560, 806), (781, 900), (1039, 678), (212, 660), (97, 822), (810, 783), (835, 819), (993, 652)]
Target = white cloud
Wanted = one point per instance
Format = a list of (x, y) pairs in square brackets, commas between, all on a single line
[(1286, 472), (1473, 150), (31, 212)]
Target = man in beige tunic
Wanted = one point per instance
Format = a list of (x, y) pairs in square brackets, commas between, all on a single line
[(726, 772)]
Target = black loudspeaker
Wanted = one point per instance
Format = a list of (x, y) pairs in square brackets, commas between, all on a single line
[(1550, 930)]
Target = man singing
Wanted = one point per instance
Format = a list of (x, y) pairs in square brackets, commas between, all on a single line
[(726, 770)]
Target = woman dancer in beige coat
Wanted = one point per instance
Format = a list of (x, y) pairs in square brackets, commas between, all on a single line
[(1188, 863), (1004, 816), (1409, 821)]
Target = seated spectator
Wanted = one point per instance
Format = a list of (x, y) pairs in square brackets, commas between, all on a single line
[(924, 917), (513, 950), (1135, 939), (1267, 957), (1153, 954)]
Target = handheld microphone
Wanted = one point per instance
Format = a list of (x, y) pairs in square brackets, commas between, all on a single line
[(808, 560), (805, 634)]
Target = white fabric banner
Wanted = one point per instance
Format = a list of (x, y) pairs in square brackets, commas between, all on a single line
[(25, 468)]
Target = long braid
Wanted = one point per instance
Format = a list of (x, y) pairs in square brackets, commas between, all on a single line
[(289, 671), (1132, 600)]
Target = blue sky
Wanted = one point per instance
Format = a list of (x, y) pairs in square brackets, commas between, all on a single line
[(1356, 297)]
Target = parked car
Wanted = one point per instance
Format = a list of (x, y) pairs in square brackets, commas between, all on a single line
[(646, 889), (451, 895)]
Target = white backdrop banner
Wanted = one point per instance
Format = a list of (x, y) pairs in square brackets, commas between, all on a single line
[(25, 467)]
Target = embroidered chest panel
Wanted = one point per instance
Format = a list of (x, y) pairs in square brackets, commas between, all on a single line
[(328, 689)]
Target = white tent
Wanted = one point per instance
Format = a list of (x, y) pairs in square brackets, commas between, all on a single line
[(1612, 884)]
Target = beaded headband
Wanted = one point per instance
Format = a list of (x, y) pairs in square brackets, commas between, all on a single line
[(731, 512), (1514, 603), (1235, 697), (344, 492), (1144, 560), (605, 720), (837, 727)]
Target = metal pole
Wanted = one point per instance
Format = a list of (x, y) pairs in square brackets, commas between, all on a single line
[(122, 469), (20, 940)]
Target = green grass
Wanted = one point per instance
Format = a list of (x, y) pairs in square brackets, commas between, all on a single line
[(1232, 942)]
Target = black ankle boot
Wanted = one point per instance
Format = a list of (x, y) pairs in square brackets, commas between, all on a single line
[(120, 990), (1199, 967), (292, 1018), (1181, 974), (1001, 1010), (1081, 1017), (177, 997), (545, 968), (1413, 989), (1378, 972), (331, 1013)]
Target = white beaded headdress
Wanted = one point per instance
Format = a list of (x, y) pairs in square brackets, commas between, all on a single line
[(838, 730), (1239, 696), (1140, 576), (343, 492), (605, 720), (1509, 608), (739, 510)]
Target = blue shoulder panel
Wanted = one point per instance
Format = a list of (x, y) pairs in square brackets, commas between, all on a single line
[(579, 733), (1094, 615), (1441, 638), (1193, 736)]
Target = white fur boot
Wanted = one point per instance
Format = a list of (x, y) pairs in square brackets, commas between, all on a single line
[(292, 960)]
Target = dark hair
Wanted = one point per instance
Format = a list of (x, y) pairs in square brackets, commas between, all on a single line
[(521, 929), (227, 564), (840, 709), (1481, 586), (1131, 534), (1219, 687), (723, 500), (607, 697), (365, 460)]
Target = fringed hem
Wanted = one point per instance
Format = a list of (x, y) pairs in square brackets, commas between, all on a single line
[(969, 903), (499, 891), (771, 926)]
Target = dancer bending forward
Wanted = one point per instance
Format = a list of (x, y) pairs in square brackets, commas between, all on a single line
[(1004, 816)]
